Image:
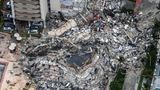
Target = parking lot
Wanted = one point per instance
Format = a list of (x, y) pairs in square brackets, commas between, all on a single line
[(8, 24)]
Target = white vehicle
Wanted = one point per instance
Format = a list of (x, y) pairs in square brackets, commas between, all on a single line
[(8, 5), (40, 24)]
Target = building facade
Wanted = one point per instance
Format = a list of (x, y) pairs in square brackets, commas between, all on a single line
[(36, 10), (29, 10), (70, 7)]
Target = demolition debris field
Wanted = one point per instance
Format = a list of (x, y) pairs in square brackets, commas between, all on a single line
[(97, 47)]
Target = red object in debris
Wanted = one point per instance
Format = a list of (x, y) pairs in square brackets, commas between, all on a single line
[(138, 3)]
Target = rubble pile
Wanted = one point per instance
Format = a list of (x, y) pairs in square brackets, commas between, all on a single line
[(86, 57), (49, 64)]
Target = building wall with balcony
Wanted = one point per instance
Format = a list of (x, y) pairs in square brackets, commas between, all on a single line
[(30, 10)]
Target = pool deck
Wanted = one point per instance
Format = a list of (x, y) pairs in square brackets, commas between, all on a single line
[(13, 78)]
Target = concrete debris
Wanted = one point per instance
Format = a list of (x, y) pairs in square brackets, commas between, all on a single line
[(12, 46), (18, 37), (87, 50), (56, 32)]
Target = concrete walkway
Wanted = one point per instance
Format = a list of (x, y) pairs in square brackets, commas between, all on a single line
[(132, 79), (156, 78)]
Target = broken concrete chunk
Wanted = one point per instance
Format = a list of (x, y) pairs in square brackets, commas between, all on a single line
[(67, 26)]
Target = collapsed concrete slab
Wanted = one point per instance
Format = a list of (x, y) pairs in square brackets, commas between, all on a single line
[(86, 56), (59, 31)]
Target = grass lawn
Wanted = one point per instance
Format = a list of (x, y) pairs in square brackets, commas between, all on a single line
[(117, 83), (150, 61)]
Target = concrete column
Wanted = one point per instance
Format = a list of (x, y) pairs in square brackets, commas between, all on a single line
[(44, 23), (44, 10), (13, 13)]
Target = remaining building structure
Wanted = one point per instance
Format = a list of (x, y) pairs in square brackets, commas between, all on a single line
[(70, 7), (36, 10), (55, 5), (29, 10)]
